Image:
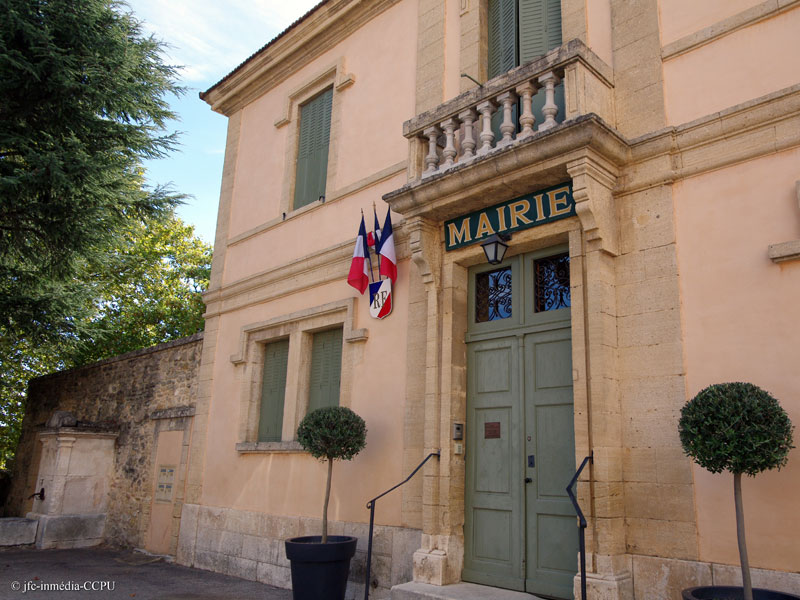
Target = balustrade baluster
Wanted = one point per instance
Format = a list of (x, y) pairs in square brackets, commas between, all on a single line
[(432, 159), (550, 109), (507, 128), (487, 136), (526, 92), (449, 126), (468, 117)]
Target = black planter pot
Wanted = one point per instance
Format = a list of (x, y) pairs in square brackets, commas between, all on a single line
[(319, 571), (724, 592)]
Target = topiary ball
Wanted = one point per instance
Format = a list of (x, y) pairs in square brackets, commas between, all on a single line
[(736, 427), (332, 432)]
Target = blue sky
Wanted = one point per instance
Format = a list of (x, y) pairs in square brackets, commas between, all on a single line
[(208, 38)]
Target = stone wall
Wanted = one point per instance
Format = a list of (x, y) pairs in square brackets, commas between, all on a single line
[(137, 394), (250, 545)]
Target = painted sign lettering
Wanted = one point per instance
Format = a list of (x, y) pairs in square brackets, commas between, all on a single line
[(531, 210)]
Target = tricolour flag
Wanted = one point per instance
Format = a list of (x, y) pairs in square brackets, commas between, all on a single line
[(374, 236), (359, 268), (386, 250)]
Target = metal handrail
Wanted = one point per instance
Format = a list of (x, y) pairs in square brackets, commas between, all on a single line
[(371, 507), (581, 522)]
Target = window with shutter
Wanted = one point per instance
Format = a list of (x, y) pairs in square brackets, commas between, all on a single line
[(326, 369), (521, 30), (273, 389), (312, 148)]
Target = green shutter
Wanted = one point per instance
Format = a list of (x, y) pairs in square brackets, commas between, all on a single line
[(539, 28), (312, 149), (553, 26), (326, 369), (502, 36), (273, 389)]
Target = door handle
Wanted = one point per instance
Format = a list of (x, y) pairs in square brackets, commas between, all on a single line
[(528, 480)]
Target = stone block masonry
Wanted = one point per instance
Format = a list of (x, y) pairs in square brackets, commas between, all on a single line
[(16, 531), (137, 394), (250, 545)]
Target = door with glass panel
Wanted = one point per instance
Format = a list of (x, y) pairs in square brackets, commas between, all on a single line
[(520, 530)]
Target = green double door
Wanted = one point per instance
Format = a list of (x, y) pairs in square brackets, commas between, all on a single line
[(520, 527)]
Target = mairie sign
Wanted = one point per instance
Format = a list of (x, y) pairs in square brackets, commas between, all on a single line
[(527, 211)]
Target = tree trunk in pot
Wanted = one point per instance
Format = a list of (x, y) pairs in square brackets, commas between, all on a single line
[(325, 506), (737, 498)]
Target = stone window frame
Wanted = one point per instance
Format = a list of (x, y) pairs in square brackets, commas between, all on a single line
[(334, 76), (299, 327)]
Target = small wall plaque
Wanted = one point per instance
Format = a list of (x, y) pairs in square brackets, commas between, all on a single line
[(491, 430), (164, 483)]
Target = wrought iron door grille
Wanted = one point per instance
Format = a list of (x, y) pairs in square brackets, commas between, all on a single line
[(493, 295), (551, 282)]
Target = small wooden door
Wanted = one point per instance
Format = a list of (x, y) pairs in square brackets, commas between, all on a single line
[(520, 528)]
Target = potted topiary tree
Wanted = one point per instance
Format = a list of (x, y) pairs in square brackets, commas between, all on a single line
[(740, 428), (320, 564)]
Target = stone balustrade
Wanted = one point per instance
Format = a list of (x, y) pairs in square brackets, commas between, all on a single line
[(460, 130)]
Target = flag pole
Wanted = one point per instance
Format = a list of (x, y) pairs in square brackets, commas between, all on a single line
[(374, 233), (366, 248)]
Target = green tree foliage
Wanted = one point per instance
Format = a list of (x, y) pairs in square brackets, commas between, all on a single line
[(144, 292), (20, 360), (332, 433), (148, 290), (82, 103), (736, 427)]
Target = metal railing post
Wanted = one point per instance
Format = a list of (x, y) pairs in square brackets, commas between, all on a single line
[(371, 507), (581, 523)]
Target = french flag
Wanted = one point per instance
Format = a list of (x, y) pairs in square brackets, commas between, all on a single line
[(374, 236), (359, 269), (386, 249)]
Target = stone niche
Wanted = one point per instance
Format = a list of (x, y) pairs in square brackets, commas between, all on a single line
[(75, 471)]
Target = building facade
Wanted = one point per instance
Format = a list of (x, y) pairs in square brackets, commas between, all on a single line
[(644, 157)]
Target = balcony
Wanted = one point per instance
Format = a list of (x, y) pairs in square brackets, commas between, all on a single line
[(456, 158)]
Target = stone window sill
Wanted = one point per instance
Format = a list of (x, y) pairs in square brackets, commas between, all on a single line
[(269, 448), (785, 251)]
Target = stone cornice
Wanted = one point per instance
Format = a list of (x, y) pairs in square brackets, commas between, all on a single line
[(324, 266), (536, 162), (754, 128), (315, 34), (751, 16)]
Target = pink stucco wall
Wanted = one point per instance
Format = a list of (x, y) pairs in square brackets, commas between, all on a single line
[(382, 58), (366, 140), (741, 322), (680, 18), (746, 64), (248, 481)]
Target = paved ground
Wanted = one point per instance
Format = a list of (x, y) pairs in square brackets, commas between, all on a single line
[(132, 575)]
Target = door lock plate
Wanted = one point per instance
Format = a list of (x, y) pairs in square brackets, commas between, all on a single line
[(531, 461)]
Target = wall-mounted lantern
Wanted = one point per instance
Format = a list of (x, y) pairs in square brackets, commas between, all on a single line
[(495, 247)]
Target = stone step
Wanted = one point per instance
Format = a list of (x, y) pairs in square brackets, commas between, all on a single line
[(17, 531), (456, 591)]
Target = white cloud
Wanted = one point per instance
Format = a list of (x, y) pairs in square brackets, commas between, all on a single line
[(210, 38)]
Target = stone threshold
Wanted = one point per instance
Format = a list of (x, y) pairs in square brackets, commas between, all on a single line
[(456, 591)]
